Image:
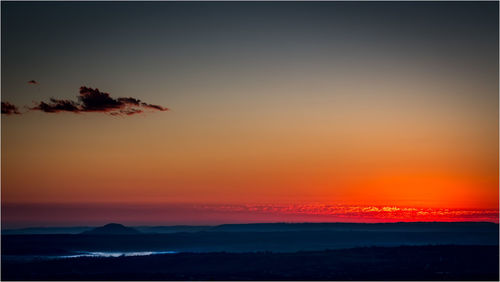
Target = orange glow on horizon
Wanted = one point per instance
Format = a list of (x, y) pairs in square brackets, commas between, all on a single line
[(67, 214)]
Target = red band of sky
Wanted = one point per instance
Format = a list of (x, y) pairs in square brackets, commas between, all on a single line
[(24, 215)]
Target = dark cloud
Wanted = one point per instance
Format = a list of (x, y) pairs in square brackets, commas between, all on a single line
[(9, 109), (130, 100), (32, 82), (93, 100), (56, 106)]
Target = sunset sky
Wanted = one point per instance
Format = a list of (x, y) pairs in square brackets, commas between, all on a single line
[(325, 111)]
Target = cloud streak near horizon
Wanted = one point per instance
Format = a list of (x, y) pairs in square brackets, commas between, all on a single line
[(71, 214), (361, 213), (93, 100)]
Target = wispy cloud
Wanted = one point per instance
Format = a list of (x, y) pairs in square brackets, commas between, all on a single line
[(55, 106), (361, 213), (93, 100), (9, 109)]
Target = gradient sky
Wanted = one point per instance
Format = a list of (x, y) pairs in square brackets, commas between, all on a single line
[(325, 111)]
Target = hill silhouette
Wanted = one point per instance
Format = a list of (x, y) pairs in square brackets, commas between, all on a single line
[(112, 229), (272, 227)]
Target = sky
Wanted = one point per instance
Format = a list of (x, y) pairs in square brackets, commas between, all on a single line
[(227, 112)]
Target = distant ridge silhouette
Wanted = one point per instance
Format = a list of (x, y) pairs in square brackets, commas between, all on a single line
[(112, 229), (271, 227)]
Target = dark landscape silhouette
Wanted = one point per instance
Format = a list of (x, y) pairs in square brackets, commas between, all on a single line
[(112, 229), (274, 251)]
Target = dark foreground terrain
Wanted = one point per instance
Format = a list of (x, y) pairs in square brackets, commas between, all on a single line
[(449, 262), (253, 238), (308, 251)]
